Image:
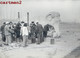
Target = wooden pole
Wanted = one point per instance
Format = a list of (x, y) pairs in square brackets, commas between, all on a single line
[(28, 22), (28, 18), (19, 16)]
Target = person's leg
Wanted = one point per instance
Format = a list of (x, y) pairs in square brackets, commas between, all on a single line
[(24, 40), (38, 39), (18, 36), (9, 39), (6, 40), (42, 38), (1, 41), (17, 39), (45, 33), (3, 37), (31, 38), (12, 38), (34, 38)]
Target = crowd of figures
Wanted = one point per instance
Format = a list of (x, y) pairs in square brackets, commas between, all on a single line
[(21, 32)]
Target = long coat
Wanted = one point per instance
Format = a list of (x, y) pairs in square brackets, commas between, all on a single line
[(7, 30), (39, 33)]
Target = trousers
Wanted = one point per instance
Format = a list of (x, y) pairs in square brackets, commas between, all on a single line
[(8, 39), (25, 40)]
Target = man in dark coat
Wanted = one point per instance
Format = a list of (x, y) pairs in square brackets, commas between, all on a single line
[(39, 32), (2, 31), (17, 31), (46, 29), (32, 32)]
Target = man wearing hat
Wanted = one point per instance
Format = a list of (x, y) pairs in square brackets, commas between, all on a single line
[(2, 32), (32, 31), (7, 30), (39, 33)]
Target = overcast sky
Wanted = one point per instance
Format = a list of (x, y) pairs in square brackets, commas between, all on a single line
[(38, 9)]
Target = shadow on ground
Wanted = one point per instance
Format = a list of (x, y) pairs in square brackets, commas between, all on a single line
[(74, 54)]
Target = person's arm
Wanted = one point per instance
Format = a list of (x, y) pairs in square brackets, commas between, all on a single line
[(21, 31), (28, 27)]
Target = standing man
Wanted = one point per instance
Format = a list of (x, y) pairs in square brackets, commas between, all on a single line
[(7, 30), (2, 32), (39, 32), (24, 32), (1, 41), (32, 32), (12, 31), (17, 31)]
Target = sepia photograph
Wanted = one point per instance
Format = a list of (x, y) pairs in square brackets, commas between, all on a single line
[(39, 28)]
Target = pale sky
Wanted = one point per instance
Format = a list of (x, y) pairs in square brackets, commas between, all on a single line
[(38, 9)]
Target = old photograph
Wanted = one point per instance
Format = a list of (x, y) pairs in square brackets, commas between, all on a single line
[(39, 28)]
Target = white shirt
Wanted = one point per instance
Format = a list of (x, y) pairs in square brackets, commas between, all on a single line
[(24, 30)]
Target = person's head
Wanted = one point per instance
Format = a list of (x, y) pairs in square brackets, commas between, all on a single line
[(37, 22), (25, 24), (10, 22), (22, 22), (4, 23), (32, 22), (14, 23)]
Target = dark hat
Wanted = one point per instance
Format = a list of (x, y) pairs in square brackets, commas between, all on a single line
[(25, 24), (32, 22), (22, 22)]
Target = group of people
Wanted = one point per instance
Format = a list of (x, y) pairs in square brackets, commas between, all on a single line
[(22, 32)]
